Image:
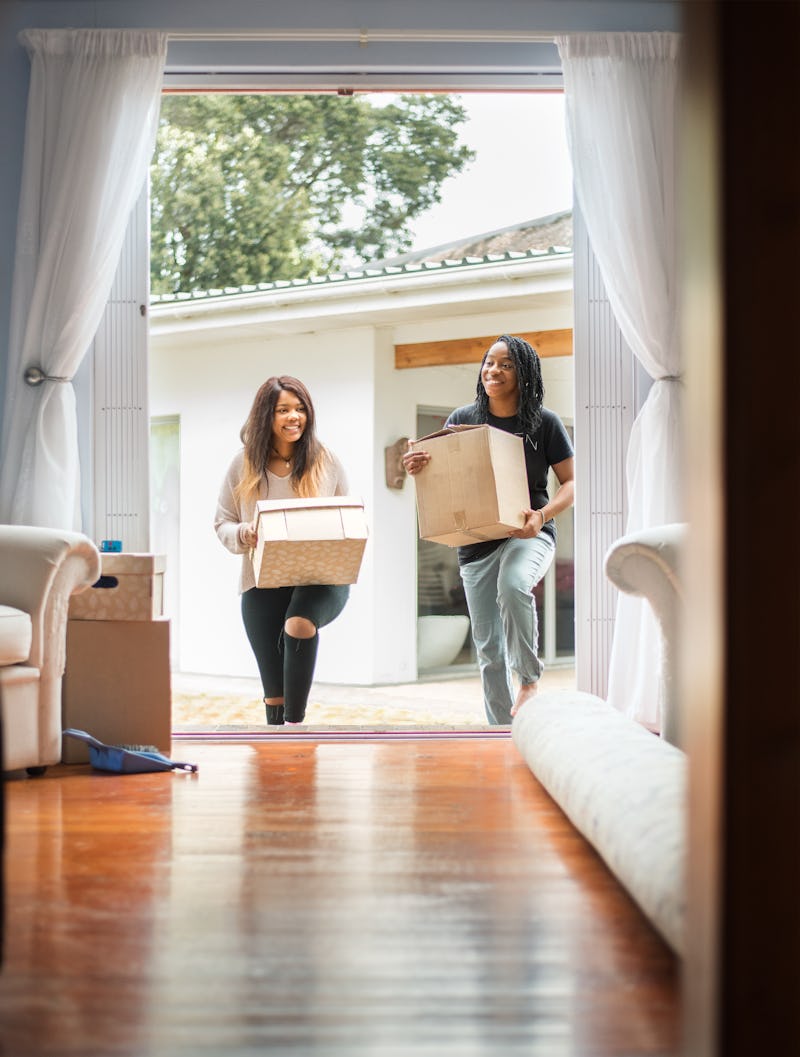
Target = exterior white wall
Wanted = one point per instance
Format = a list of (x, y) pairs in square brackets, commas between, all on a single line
[(363, 404), (211, 390)]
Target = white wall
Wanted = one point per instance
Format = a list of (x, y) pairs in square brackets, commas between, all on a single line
[(211, 390), (363, 404)]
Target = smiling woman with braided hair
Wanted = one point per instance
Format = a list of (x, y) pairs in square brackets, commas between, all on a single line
[(499, 575)]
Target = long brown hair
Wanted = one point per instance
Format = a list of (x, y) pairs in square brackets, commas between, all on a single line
[(310, 456)]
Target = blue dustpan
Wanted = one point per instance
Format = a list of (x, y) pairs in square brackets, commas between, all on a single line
[(120, 760)]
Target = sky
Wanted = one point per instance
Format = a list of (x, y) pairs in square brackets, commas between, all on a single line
[(522, 170)]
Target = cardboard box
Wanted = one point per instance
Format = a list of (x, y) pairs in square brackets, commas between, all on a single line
[(319, 540), (131, 587), (117, 684), (475, 486)]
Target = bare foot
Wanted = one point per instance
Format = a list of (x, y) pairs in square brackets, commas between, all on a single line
[(525, 693)]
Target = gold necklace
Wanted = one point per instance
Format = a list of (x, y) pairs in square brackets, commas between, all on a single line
[(284, 458)]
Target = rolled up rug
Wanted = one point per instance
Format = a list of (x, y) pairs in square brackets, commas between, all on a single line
[(622, 787)]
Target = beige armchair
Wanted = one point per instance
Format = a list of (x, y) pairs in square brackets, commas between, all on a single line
[(39, 569)]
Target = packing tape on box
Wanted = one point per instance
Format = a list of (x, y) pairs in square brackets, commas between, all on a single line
[(457, 496)]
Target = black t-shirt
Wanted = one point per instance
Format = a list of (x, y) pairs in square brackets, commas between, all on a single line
[(549, 445)]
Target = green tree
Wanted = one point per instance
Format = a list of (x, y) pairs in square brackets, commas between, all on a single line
[(254, 188)]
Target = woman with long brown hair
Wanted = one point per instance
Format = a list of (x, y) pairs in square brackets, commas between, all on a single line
[(281, 458)]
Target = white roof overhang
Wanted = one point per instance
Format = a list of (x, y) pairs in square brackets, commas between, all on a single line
[(386, 299)]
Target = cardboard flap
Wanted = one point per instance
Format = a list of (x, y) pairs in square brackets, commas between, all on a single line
[(447, 432), (309, 502), (131, 562), (314, 524), (353, 523), (316, 518)]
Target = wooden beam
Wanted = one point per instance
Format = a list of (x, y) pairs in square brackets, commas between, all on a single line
[(471, 350)]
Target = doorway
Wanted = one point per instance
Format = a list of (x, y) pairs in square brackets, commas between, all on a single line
[(444, 643), (187, 358), (165, 526)]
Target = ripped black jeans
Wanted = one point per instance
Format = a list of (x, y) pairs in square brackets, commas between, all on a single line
[(286, 664)]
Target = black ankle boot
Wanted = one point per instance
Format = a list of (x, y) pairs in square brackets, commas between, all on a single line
[(275, 715)]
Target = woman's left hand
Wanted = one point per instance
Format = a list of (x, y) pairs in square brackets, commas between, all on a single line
[(532, 527)]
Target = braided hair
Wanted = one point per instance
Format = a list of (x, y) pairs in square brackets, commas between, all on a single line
[(529, 379)]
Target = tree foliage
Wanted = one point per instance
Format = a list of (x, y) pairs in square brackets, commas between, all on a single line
[(253, 188)]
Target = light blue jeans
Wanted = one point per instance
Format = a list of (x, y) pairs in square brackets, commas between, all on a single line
[(505, 627)]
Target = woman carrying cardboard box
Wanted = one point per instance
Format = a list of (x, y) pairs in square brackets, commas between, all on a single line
[(499, 575), (282, 458)]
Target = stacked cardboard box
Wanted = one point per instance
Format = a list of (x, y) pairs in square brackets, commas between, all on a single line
[(117, 682), (131, 587)]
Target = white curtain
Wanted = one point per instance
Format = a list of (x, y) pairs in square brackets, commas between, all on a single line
[(621, 95), (90, 132)]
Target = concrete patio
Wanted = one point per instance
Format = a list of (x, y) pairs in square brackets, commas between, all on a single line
[(216, 703)]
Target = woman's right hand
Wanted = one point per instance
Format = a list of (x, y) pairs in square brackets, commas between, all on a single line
[(414, 461), (248, 535)]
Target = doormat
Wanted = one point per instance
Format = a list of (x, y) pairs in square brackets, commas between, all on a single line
[(339, 734)]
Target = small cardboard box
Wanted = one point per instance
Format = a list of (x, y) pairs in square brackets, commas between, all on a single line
[(131, 587), (475, 486), (319, 540)]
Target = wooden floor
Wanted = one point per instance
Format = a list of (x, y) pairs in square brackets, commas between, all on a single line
[(375, 898)]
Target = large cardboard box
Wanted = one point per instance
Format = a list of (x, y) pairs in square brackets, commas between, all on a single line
[(117, 684), (131, 587), (475, 486), (319, 540)]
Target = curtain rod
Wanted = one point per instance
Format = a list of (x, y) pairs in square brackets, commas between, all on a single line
[(365, 36)]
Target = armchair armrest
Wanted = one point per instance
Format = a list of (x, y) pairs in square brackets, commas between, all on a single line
[(39, 569), (647, 564)]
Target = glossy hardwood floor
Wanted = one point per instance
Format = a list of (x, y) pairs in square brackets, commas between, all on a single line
[(383, 898)]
